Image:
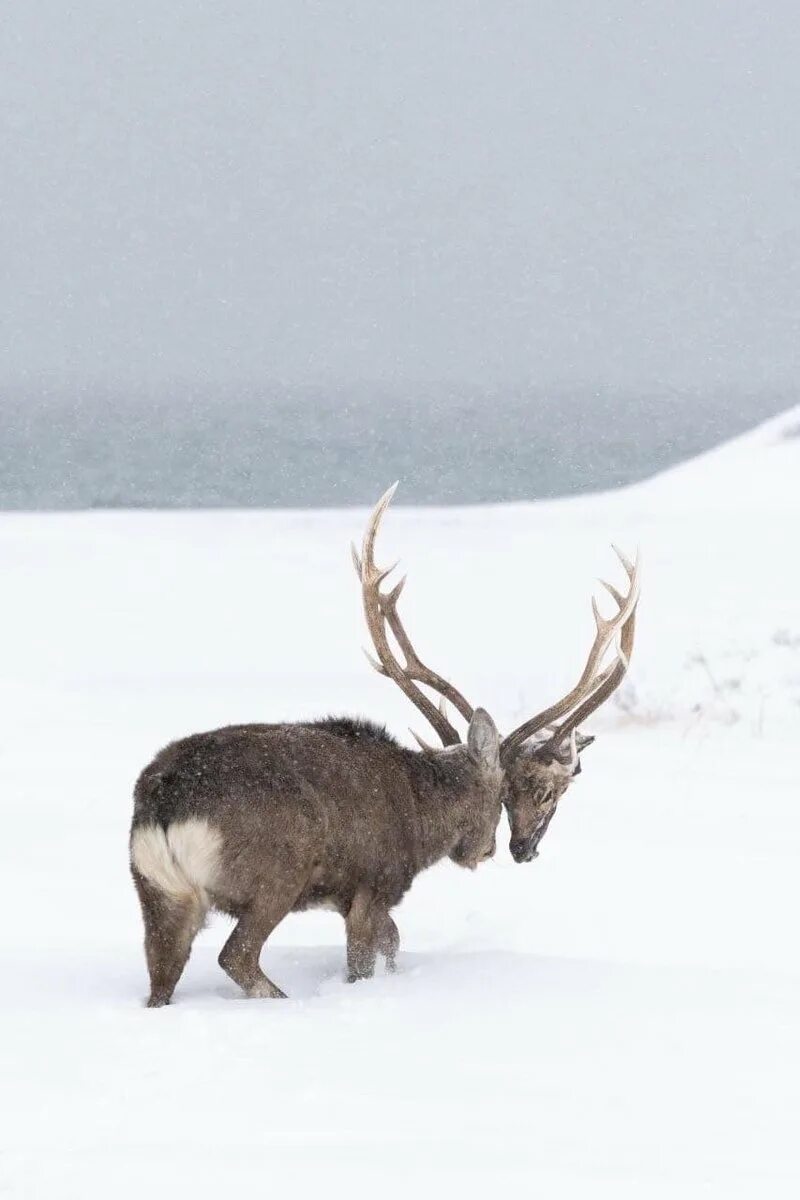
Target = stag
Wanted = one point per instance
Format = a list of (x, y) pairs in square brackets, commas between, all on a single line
[(258, 821)]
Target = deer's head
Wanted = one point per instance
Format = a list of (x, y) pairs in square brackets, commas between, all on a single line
[(535, 764), (536, 778)]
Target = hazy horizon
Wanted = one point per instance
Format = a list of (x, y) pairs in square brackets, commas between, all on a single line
[(307, 450)]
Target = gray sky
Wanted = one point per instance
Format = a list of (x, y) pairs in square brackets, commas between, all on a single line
[(557, 192)]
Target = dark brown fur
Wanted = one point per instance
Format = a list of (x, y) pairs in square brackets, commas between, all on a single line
[(333, 813)]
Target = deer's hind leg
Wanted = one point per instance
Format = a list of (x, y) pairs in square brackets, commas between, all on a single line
[(240, 955), (170, 927)]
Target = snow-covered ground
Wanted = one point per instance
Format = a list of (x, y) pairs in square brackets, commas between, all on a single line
[(620, 1018)]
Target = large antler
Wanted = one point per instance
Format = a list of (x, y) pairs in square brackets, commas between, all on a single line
[(380, 609), (595, 684)]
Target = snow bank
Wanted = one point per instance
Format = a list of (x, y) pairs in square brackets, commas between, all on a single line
[(617, 1019)]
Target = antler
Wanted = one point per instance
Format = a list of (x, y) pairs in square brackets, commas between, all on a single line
[(380, 609), (595, 684)]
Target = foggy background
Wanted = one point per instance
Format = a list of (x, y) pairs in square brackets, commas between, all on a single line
[(281, 253)]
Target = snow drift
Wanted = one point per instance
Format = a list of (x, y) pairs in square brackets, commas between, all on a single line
[(618, 1018)]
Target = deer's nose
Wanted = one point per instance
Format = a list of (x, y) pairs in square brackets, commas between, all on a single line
[(523, 850)]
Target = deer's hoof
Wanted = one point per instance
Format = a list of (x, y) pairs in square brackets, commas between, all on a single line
[(264, 990)]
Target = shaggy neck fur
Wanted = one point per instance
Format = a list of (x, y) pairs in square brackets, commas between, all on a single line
[(449, 790), (451, 801)]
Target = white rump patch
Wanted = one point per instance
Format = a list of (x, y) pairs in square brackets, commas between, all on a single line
[(182, 862)]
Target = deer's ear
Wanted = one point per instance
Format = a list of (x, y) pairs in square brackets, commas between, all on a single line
[(583, 740), (483, 740)]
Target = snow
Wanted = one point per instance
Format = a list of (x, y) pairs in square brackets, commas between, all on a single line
[(618, 1018)]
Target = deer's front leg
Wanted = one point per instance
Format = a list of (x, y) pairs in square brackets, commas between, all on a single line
[(389, 942), (370, 931)]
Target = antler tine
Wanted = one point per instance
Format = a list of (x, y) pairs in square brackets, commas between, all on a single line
[(385, 573), (394, 595), (614, 591), (608, 683), (380, 610), (423, 745), (373, 662), (371, 532), (630, 567), (595, 684)]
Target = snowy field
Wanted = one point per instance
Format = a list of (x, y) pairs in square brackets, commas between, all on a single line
[(620, 1018)]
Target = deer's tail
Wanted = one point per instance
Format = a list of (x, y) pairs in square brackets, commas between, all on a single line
[(181, 860)]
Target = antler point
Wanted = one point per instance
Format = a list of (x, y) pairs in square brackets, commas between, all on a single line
[(393, 596), (615, 592), (423, 745), (386, 498), (626, 562), (373, 662), (381, 575)]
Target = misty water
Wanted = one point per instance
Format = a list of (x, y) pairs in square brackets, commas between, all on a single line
[(309, 448), (583, 217)]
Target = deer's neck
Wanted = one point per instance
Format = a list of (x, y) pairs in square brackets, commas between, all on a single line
[(449, 804)]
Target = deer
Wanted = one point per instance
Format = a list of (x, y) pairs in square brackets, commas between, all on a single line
[(257, 821)]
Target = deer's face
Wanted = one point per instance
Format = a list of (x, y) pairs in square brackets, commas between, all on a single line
[(533, 788)]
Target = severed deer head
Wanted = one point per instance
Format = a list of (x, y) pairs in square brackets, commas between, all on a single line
[(541, 757)]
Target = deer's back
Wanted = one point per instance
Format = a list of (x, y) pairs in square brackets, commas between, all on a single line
[(333, 799)]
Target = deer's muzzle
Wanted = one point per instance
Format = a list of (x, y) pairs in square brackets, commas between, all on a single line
[(523, 849)]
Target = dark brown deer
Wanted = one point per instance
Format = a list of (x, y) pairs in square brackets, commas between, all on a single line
[(258, 821)]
